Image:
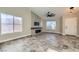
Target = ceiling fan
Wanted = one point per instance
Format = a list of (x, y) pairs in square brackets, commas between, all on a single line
[(50, 14)]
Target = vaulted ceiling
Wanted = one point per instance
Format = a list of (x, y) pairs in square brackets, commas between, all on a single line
[(42, 11)]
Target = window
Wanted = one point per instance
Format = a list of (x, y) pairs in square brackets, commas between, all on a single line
[(10, 24), (6, 23), (51, 25), (17, 24)]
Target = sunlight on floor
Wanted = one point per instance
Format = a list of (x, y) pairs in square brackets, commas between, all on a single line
[(51, 50)]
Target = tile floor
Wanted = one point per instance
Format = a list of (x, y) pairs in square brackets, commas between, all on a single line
[(45, 42)]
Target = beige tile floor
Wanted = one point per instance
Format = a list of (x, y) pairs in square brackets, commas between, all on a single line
[(45, 42)]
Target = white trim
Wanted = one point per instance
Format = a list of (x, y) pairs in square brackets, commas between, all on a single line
[(54, 32), (1, 41), (77, 35), (74, 35)]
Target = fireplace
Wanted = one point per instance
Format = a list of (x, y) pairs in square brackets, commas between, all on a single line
[(37, 31)]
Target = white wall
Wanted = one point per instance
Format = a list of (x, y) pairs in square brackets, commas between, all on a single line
[(25, 13)]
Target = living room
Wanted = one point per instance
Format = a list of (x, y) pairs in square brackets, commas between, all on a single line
[(39, 29)]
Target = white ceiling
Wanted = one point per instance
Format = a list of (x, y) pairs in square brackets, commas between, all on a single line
[(42, 11)]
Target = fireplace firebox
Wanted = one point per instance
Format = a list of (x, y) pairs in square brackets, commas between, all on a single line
[(37, 31)]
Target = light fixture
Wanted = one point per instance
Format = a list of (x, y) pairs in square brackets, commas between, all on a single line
[(50, 14), (71, 9)]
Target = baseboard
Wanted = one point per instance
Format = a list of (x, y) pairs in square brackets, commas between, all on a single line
[(53, 32), (71, 35), (77, 35), (1, 41), (59, 33)]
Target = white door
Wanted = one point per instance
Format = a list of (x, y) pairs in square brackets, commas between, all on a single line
[(71, 26)]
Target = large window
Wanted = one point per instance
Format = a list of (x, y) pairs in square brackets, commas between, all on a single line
[(10, 24), (51, 25), (17, 24)]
